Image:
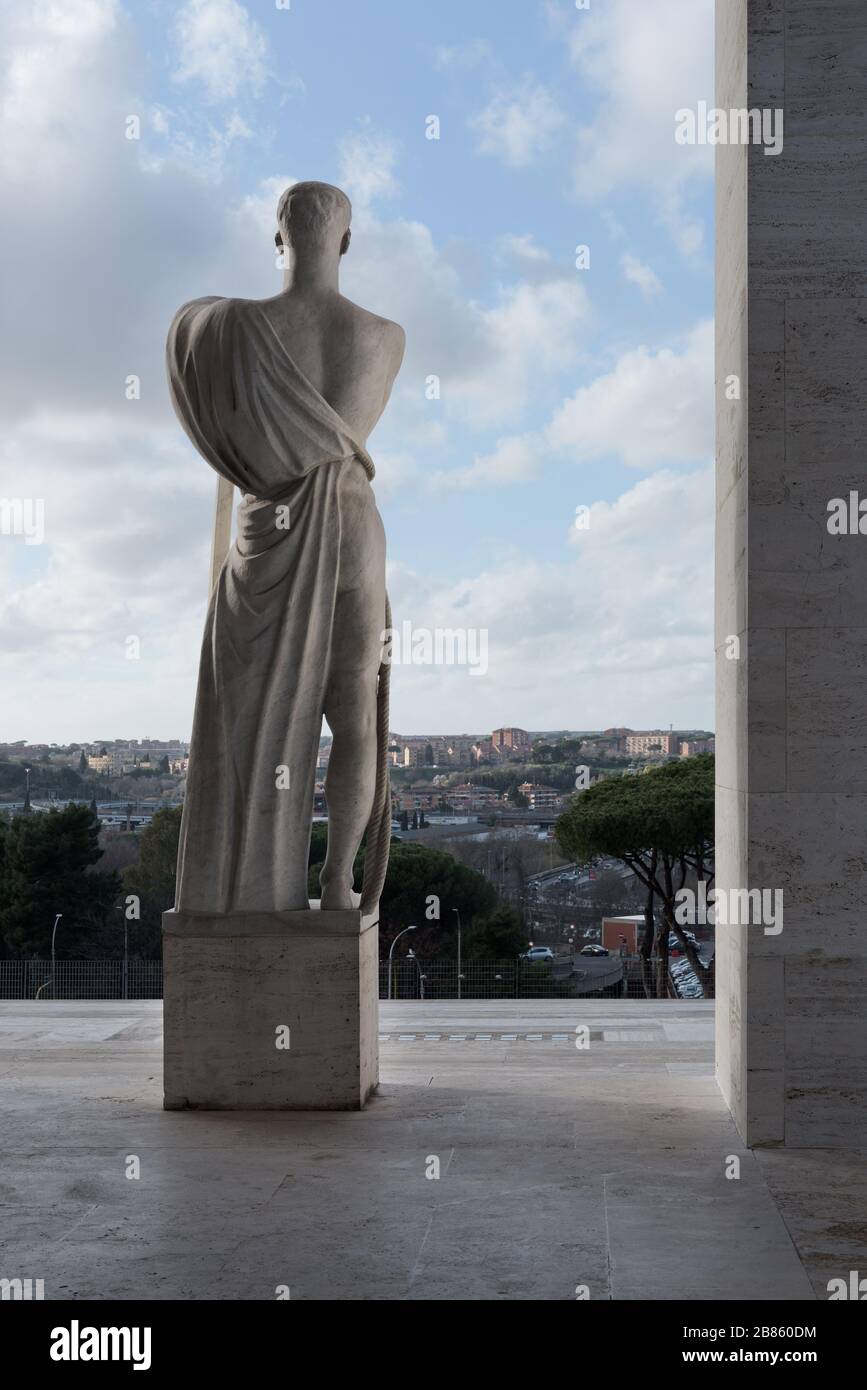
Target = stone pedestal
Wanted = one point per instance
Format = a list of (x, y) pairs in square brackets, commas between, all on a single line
[(270, 1011)]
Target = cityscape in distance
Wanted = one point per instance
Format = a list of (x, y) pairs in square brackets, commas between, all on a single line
[(443, 775), (474, 821)]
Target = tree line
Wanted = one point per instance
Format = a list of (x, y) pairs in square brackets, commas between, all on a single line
[(49, 865)]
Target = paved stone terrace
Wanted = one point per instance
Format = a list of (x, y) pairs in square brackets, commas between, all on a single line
[(559, 1167)]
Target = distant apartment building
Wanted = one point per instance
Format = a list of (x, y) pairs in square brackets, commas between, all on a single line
[(654, 743), (541, 798), (410, 752), (458, 752), (110, 763), (436, 750), (162, 743), (422, 797), (469, 798), (508, 743), (114, 758), (432, 796), (151, 749), (689, 747)]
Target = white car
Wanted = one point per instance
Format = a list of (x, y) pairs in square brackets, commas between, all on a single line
[(539, 953)]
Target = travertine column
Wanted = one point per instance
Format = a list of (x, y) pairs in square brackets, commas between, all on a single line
[(792, 708)]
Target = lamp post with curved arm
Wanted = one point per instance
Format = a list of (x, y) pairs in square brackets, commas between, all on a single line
[(391, 952), (53, 934), (459, 962)]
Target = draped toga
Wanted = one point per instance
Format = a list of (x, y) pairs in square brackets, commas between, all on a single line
[(266, 652)]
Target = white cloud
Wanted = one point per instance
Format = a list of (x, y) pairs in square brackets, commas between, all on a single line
[(367, 158), (202, 150), (532, 334), (651, 409), (104, 251), (518, 123), (395, 471), (127, 522), (259, 209), (221, 47), (515, 459), (645, 62), (623, 622), (43, 59), (491, 360), (637, 273), (522, 255)]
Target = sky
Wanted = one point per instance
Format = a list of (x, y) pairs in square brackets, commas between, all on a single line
[(544, 467)]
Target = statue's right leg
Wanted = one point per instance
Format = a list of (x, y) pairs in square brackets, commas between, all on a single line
[(350, 695), (350, 708)]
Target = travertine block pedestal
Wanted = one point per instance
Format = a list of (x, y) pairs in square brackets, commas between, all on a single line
[(270, 1011)]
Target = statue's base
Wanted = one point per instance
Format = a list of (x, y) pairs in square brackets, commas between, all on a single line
[(270, 1010)]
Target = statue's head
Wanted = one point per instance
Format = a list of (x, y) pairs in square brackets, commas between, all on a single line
[(314, 218)]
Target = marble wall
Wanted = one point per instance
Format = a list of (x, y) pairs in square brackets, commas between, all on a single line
[(792, 704)]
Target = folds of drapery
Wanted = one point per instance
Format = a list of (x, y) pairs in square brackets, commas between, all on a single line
[(266, 652)]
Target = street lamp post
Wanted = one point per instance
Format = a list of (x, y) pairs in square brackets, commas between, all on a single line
[(391, 952), (121, 907), (411, 955), (459, 962), (53, 934)]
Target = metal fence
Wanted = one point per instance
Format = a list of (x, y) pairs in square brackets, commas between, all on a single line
[(81, 979), (566, 977), (479, 979)]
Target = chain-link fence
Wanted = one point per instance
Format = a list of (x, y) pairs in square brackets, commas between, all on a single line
[(612, 976), (479, 979), (81, 979), (564, 977)]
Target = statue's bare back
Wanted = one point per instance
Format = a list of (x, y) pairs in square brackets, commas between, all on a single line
[(350, 355)]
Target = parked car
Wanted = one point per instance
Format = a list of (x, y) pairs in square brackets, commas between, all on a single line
[(539, 953), (594, 951), (674, 944)]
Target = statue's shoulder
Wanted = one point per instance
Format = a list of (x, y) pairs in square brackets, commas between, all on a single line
[(367, 322), (201, 326), (209, 306), (196, 316)]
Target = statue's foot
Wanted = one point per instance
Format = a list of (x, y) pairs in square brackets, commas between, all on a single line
[(336, 899)]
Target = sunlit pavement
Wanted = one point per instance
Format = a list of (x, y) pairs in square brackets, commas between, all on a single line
[(561, 1167)]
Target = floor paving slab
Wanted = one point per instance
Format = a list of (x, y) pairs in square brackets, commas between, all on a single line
[(555, 1167)]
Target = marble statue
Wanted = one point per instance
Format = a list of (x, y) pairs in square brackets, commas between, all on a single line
[(279, 396)]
